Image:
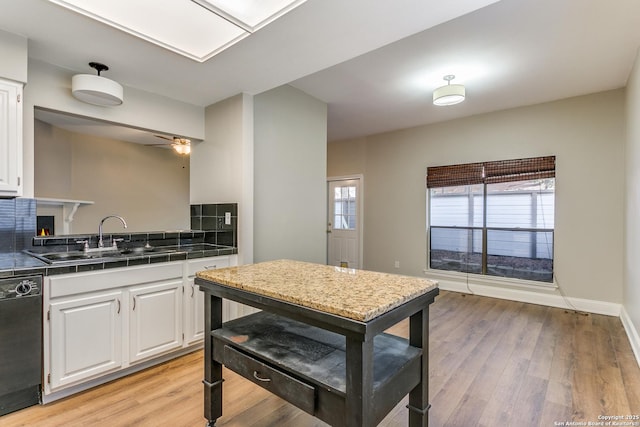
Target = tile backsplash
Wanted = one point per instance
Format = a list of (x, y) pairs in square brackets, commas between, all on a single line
[(210, 223), (17, 224), (219, 222)]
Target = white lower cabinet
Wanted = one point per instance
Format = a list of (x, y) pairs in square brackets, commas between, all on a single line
[(155, 319), (85, 338), (194, 297), (101, 323)]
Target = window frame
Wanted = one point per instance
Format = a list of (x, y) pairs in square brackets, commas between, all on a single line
[(487, 173)]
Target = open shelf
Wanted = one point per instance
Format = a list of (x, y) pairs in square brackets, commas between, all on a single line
[(69, 208), (289, 358)]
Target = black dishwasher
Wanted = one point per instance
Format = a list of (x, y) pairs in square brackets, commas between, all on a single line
[(20, 342)]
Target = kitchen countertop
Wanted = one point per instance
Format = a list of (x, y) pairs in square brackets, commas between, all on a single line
[(21, 263), (355, 294), (18, 260)]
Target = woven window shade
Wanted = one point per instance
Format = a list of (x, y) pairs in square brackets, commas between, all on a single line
[(448, 176), (491, 172), (520, 170)]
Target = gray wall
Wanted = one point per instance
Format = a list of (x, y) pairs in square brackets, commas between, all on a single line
[(586, 134), (632, 217), (14, 57), (290, 129), (222, 164), (148, 186), (50, 87)]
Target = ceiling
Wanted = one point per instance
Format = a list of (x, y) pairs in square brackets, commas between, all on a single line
[(374, 63)]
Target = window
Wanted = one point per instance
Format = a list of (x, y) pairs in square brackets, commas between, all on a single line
[(493, 218), (345, 208)]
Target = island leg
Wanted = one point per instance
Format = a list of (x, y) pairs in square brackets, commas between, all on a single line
[(359, 383), (419, 396), (212, 369)]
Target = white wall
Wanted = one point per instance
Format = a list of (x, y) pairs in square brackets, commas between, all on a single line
[(290, 218), (13, 51), (632, 217), (222, 164), (586, 134), (50, 87)]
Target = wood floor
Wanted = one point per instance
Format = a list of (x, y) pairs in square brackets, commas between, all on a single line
[(493, 363)]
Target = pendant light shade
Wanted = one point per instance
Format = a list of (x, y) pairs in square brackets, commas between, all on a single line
[(448, 94), (95, 89)]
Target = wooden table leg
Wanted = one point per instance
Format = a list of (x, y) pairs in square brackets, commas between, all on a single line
[(212, 369), (419, 396), (359, 383)]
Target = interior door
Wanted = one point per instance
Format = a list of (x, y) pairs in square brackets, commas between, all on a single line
[(344, 227)]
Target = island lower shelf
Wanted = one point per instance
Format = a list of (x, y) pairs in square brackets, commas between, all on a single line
[(306, 365)]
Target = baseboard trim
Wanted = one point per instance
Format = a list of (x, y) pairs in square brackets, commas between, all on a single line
[(632, 333), (552, 300), (541, 298)]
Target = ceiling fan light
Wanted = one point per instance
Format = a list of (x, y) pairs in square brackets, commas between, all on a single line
[(96, 90), (182, 148)]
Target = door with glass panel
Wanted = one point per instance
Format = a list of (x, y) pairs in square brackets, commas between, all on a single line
[(344, 226)]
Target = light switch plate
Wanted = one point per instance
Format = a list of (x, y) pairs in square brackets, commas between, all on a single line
[(227, 218)]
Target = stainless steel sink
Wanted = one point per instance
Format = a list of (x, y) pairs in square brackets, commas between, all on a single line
[(68, 256), (143, 250), (73, 256)]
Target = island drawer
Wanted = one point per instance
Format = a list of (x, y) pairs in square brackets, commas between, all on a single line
[(298, 393)]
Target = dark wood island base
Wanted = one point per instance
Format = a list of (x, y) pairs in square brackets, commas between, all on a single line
[(345, 372)]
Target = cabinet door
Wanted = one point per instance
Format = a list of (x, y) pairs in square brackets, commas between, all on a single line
[(10, 138), (194, 328), (155, 324), (86, 337)]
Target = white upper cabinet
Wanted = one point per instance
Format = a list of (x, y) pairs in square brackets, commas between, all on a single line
[(10, 138)]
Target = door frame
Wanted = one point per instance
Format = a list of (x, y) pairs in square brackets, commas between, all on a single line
[(359, 216)]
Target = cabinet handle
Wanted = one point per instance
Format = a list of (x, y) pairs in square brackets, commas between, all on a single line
[(118, 299), (259, 378), (192, 290), (210, 267), (134, 304)]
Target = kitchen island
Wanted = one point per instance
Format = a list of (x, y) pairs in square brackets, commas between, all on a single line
[(319, 341)]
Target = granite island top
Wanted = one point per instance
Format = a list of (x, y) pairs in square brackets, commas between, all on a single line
[(355, 294)]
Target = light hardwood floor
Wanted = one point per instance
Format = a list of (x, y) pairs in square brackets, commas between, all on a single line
[(493, 363)]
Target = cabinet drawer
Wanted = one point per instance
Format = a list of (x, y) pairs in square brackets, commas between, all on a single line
[(206, 264), (277, 382)]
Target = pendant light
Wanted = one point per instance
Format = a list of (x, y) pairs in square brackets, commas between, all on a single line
[(448, 94), (97, 90)]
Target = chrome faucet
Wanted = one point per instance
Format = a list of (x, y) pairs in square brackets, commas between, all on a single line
[(100, 242)]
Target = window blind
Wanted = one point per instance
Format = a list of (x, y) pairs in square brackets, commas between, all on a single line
[(448, 176), (491, 172)]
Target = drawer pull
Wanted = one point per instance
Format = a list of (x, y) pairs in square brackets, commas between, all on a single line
[(278, 382), (259, 378)]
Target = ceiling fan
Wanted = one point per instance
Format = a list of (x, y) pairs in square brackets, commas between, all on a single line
[(180, 145)]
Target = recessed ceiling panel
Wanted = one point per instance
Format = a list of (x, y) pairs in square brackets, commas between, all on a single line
[(250, 14), (178, 25)]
